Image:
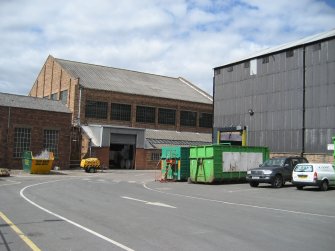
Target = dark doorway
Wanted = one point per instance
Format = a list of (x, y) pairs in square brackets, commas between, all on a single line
[(121, 156)]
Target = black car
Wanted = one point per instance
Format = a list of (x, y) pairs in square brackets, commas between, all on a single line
[(275, 171)]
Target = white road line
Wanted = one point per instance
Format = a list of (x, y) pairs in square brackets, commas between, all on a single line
[(70, 221), (240, 204), (148, 202), (10, 184), (131, 181)]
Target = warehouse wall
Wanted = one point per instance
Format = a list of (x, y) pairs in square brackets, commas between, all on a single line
[(275, 94), (320, 96)]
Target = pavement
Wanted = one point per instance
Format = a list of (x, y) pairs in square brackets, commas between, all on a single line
[(129, 210)]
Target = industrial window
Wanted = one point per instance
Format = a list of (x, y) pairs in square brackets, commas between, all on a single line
[(188, 118), (155, 156), (22, 140), (265, 60), (206, 120), (54, 96), (96, 109), (253, 67), (50, 141), (247, 64), (317, 47), (63, 96), (166, 116), (230, 68), (145, 114), (121, 112), (289, 53)]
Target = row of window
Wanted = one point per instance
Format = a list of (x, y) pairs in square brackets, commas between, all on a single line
[(265, 59), (146, 114), (62, 96), (22, 141)]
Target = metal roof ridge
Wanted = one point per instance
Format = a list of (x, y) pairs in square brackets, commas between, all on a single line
[(203, 93), (115, 68), (281, 47)]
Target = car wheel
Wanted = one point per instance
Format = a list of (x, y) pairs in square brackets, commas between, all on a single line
[(254, 184), (300, 187), (324, 186), (91, 170), (277, 182)]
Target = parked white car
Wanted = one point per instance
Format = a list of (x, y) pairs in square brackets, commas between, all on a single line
[(314, 174)]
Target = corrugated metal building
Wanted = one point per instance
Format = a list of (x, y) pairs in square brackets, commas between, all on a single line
[(284, 96), (116, 109)]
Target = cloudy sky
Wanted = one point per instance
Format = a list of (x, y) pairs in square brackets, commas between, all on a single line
[(185, 38)]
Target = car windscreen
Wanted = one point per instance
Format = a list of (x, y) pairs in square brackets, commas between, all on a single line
[(274, 162), (303, 168)]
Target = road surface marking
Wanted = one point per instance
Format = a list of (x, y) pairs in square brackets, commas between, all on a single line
[(11, 183), (148, 202), (70, 221), (19, 233), (240, 204), (131, 181)]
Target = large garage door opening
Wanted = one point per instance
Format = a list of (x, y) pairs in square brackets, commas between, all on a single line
[(122, 151)]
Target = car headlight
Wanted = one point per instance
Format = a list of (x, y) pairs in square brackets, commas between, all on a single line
[(249, 172), (267, 172)]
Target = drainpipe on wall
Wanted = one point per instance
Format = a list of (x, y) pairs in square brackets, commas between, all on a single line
[(7, 137), (303, 101), (79, 104)]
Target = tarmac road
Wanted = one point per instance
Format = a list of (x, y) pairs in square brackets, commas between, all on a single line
[(128, 210)]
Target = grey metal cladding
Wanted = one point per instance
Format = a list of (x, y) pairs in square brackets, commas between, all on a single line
[(317, 139), (331, 71), (295, 44), (331, 51), (275, 94)]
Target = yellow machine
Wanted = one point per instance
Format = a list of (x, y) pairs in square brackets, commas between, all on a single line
[(90, 165), (4, 172)]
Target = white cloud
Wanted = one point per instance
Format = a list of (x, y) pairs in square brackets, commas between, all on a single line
[(174, 37)]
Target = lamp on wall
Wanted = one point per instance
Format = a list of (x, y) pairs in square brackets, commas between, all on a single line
[(251, 112)]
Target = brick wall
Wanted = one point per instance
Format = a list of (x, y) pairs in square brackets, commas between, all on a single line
[(53, 79), (134, 100), (140, 159), (313, 158), (152, 164), (37, 121), (102, 153)]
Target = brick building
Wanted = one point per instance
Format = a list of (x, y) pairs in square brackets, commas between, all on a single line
[(114, 111), (33, 124)]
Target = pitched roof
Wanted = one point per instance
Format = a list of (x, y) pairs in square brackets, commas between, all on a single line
[(12, 100), (160, 138), (297, 43), (125, 81)]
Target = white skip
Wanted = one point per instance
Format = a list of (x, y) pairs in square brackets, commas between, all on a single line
[(148, 202)]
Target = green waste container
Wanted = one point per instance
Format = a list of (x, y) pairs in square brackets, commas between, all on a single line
[(175, 163), (36, 166), (218, 163)]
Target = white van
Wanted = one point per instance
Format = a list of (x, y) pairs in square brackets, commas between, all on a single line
[(314, 174)]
